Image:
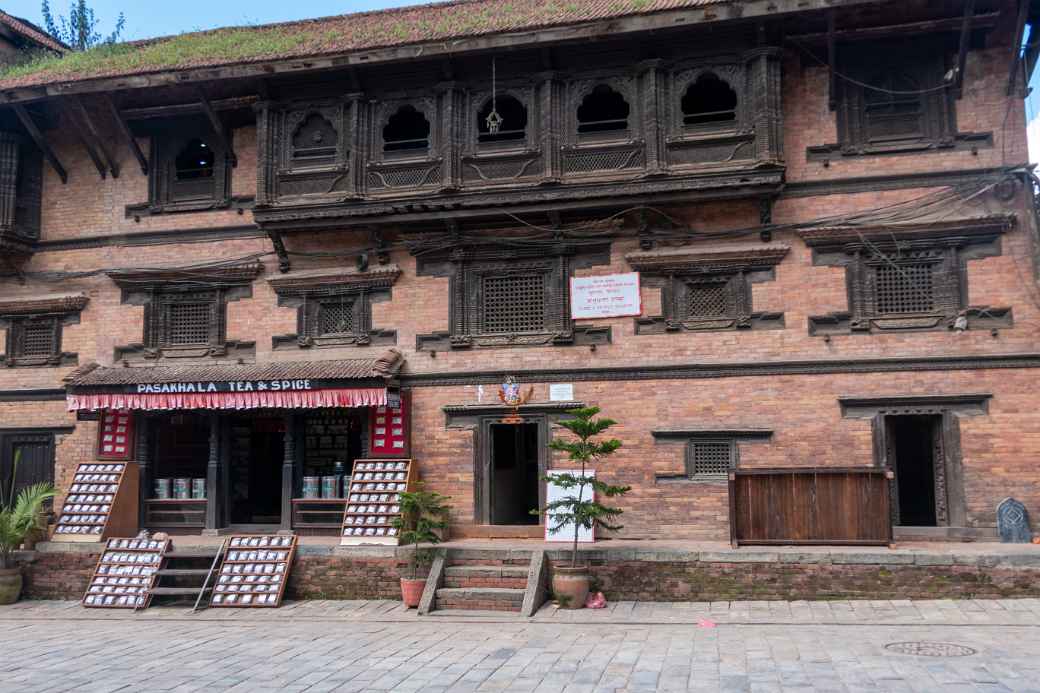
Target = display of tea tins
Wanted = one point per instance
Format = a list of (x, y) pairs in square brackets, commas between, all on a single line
[(254, 571), (374, 500), (91, 494), (126, 573)]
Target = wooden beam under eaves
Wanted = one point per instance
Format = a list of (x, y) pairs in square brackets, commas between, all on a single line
[(88, 122), (85, 140), (962, 50), (128, 136), (832, 64), (218, 127), (37, 136)]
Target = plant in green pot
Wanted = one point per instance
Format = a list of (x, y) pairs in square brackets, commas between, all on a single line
[(579, 508), (21, 513), (423, 516)]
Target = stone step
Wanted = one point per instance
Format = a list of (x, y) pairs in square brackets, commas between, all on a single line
[(176, 591), (476, 613), (183, 572), (475, 576), (480, 598)]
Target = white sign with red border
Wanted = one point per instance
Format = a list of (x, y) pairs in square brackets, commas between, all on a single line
[(605, 296)]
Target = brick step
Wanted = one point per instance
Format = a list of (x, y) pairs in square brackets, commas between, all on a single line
[(486, 562), (474, 576), (480, 598)]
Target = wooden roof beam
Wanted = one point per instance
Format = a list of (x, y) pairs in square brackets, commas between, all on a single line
[(128, 136), (41, 142), (218, 127), (84, 115), (832, 63), (86, 141)]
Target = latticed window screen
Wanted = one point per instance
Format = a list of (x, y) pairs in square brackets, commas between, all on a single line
[(514, 303), (188, 323), (336, 317), (905, 288), (709, 458), (36, 337), (707, 300)]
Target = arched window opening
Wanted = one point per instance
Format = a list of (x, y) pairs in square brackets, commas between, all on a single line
[(314, 141), (514, 121), (194, 162), (709, 101), (603, 110), (891, 113), (407, 130)]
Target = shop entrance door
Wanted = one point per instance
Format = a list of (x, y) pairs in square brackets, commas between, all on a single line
[(255, 470), (513, 473), (917, 457)]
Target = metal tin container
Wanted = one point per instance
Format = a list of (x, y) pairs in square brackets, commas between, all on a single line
[(162, 489), (330, 486), (198, 489), (312, 487), (182, 489)]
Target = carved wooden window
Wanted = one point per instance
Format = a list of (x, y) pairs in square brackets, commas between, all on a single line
[(708, 102), (338, 316), (191, 170), (513, 127), (603, 110), (893, 111), (314, 142), (904, 288), (34, 338), (709, 297), (513, 303), (186, 319), (406, 132), (710, 459)]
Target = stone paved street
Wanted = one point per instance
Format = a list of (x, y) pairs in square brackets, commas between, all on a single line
[(376, 646)]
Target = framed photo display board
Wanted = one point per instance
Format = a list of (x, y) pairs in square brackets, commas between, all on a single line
[(125, 574), (374, 500), (254, 571), (389, 428), (101, 503), (116, 435)]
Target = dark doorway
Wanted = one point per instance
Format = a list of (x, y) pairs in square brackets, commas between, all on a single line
[(514, 473), (257, 453), (916, 444)]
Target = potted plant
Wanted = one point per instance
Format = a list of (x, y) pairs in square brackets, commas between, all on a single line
[(423, 514), (580, 508), (20, 514)]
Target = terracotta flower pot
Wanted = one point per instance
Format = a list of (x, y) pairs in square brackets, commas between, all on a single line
[(571, 586), (10, 585), (411, 591)]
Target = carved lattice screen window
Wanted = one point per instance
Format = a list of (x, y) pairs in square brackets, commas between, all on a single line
[(337, 316), (709, 458), (182, 319), (35, 337), (709, 298), (905, 288), (513, 303)]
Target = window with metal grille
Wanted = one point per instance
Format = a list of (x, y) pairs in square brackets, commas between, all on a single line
[(513, 303), (709, 458), (707, 299), (188, 323), (904, 288), (36, 337), (336, 318)]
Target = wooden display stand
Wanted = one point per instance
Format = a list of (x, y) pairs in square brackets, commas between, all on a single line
[(254, 571), (374, 500), (125, 574), (102, 503)]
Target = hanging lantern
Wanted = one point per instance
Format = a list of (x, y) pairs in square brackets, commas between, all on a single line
[(494, 120)]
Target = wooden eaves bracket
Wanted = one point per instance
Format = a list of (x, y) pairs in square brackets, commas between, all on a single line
[(37, 136)]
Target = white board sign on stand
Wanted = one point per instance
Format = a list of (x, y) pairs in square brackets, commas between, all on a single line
[(555, 493)]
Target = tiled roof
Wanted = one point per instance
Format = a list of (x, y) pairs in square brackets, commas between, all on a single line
[(31, 32), (440, 22), (382, 367)]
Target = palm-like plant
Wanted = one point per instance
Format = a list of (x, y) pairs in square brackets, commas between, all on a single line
[(19, 513)]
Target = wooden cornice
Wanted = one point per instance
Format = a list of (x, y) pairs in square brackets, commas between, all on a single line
[(699, 260), (980, 228), (339, 279), (43, 305), (243, 273)]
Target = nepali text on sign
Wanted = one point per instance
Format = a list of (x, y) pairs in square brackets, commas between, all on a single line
[(229, 386), (606, 296)]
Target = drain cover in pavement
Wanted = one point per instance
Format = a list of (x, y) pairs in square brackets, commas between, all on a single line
[(930, 649)]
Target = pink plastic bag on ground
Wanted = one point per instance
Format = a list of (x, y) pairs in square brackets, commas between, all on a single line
[(596, 601)]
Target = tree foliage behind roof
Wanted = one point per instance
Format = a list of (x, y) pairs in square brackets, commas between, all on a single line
[(79, 29)]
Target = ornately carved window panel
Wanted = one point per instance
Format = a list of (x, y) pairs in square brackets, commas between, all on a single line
[(710, 459), (904, 288), (708, 297), (34, 338), (314, 142), (185, 319), (513, 303), (190, 168)]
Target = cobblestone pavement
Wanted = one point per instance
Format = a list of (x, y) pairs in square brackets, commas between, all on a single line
[(376, 646)]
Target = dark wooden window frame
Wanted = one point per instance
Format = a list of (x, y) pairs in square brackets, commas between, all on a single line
[(946, 248), (167, 141), (676, 271), (10, 437), (467, 269), (21, 186), (690, 438), (15, 315), (308, 292)]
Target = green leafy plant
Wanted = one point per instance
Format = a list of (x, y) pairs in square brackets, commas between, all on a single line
[(79, 29), (579, 508), (20, 513), (423, 513)]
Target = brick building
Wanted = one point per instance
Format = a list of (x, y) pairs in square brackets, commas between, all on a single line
[(257, 241)]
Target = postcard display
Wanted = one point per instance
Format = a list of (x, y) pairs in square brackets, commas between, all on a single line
[(126, 573), (102, 502), (374, 500), (254, 571)]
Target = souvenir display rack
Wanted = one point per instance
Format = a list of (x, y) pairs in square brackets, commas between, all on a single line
[(374, 500), (102, 502), (126, 573), (254, 571)]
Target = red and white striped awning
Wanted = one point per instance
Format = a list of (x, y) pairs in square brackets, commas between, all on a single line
[(282, 399)]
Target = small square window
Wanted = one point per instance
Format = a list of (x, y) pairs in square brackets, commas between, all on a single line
[(707, 300), (37, 337), (514, 303), (709, 458), (904, 289), (186, 319), (336, 318), (188, 323)]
